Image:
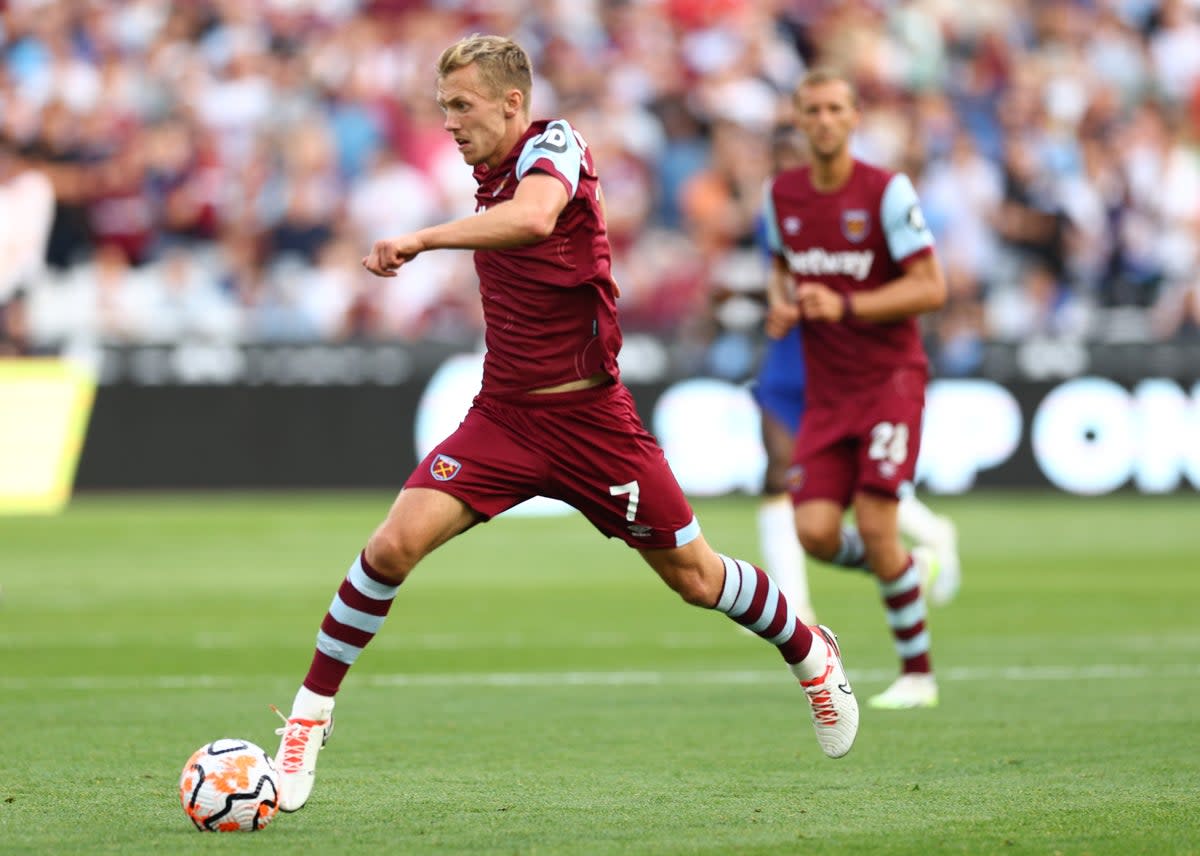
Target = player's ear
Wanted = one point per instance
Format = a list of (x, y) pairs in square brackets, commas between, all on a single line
[(514, 103)]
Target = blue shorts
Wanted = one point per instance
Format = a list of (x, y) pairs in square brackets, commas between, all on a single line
[(779, 387)]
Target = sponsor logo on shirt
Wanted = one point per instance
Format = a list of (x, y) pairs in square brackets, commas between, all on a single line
[(819, 261), (444, 467)]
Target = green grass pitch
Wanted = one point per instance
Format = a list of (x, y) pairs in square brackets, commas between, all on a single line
[(536, 690)]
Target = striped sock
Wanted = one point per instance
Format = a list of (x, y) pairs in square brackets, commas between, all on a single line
[(355, 616), (752, 599), (851, 553), (905, 607)]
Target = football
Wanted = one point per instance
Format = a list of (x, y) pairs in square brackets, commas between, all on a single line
[(229, 786)]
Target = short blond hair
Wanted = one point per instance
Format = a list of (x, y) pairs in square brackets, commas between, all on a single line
[(825, 74), (502, 63)]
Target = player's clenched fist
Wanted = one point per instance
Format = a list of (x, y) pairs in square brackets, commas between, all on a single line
[(386, 257), (819, 302)]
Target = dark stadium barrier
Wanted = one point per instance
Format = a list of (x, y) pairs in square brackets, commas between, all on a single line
[(360, 417)]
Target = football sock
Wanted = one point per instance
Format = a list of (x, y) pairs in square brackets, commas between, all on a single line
[(851, 552), (905, 607), (355, 616), (814, 662), (918, 522), (311, 705), (752, 599), (782, 553)]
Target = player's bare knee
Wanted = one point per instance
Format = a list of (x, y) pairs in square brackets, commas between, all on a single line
[(819, 542), (389, 557)]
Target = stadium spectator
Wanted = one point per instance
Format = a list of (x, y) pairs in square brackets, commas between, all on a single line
[(158, 124), (552, 417)]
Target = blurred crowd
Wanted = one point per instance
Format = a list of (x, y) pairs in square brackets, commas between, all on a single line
[(214, 170)]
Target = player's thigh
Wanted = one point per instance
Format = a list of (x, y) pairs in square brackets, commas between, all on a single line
[(419, 521)]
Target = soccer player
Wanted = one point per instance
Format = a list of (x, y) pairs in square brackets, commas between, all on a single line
[(552, 417), (854, 266), (779, 392)]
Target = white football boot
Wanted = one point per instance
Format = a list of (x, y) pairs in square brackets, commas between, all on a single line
[(906, 692), (834, 708), (296, 761), (938, 563)]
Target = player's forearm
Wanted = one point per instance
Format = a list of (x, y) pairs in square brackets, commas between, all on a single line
[(901, 298), (500, 227), (780, 286)]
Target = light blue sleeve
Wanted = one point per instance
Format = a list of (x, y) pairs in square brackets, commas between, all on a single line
[(770, 221), (558, 151), (903, 223)]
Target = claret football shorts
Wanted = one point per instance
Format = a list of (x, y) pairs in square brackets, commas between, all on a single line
[(588, 448), (866, 442)]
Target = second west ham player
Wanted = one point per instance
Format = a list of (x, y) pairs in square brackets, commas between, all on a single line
[(552, 417), (856, 266)]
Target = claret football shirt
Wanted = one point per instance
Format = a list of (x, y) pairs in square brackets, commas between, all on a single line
[(852, 239), (549, 307)]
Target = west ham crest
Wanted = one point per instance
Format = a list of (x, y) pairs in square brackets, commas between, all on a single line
[(856, 225), (444, 467)]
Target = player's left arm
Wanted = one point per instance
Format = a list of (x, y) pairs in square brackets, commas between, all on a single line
[(921, 289), (604, 214), (922, 286)]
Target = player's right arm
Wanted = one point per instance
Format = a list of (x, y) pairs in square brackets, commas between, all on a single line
[(783, 313), (529, 217)]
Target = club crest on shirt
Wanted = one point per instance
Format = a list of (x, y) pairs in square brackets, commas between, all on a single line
[(792, 225), (444, 467), (856, 225)]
